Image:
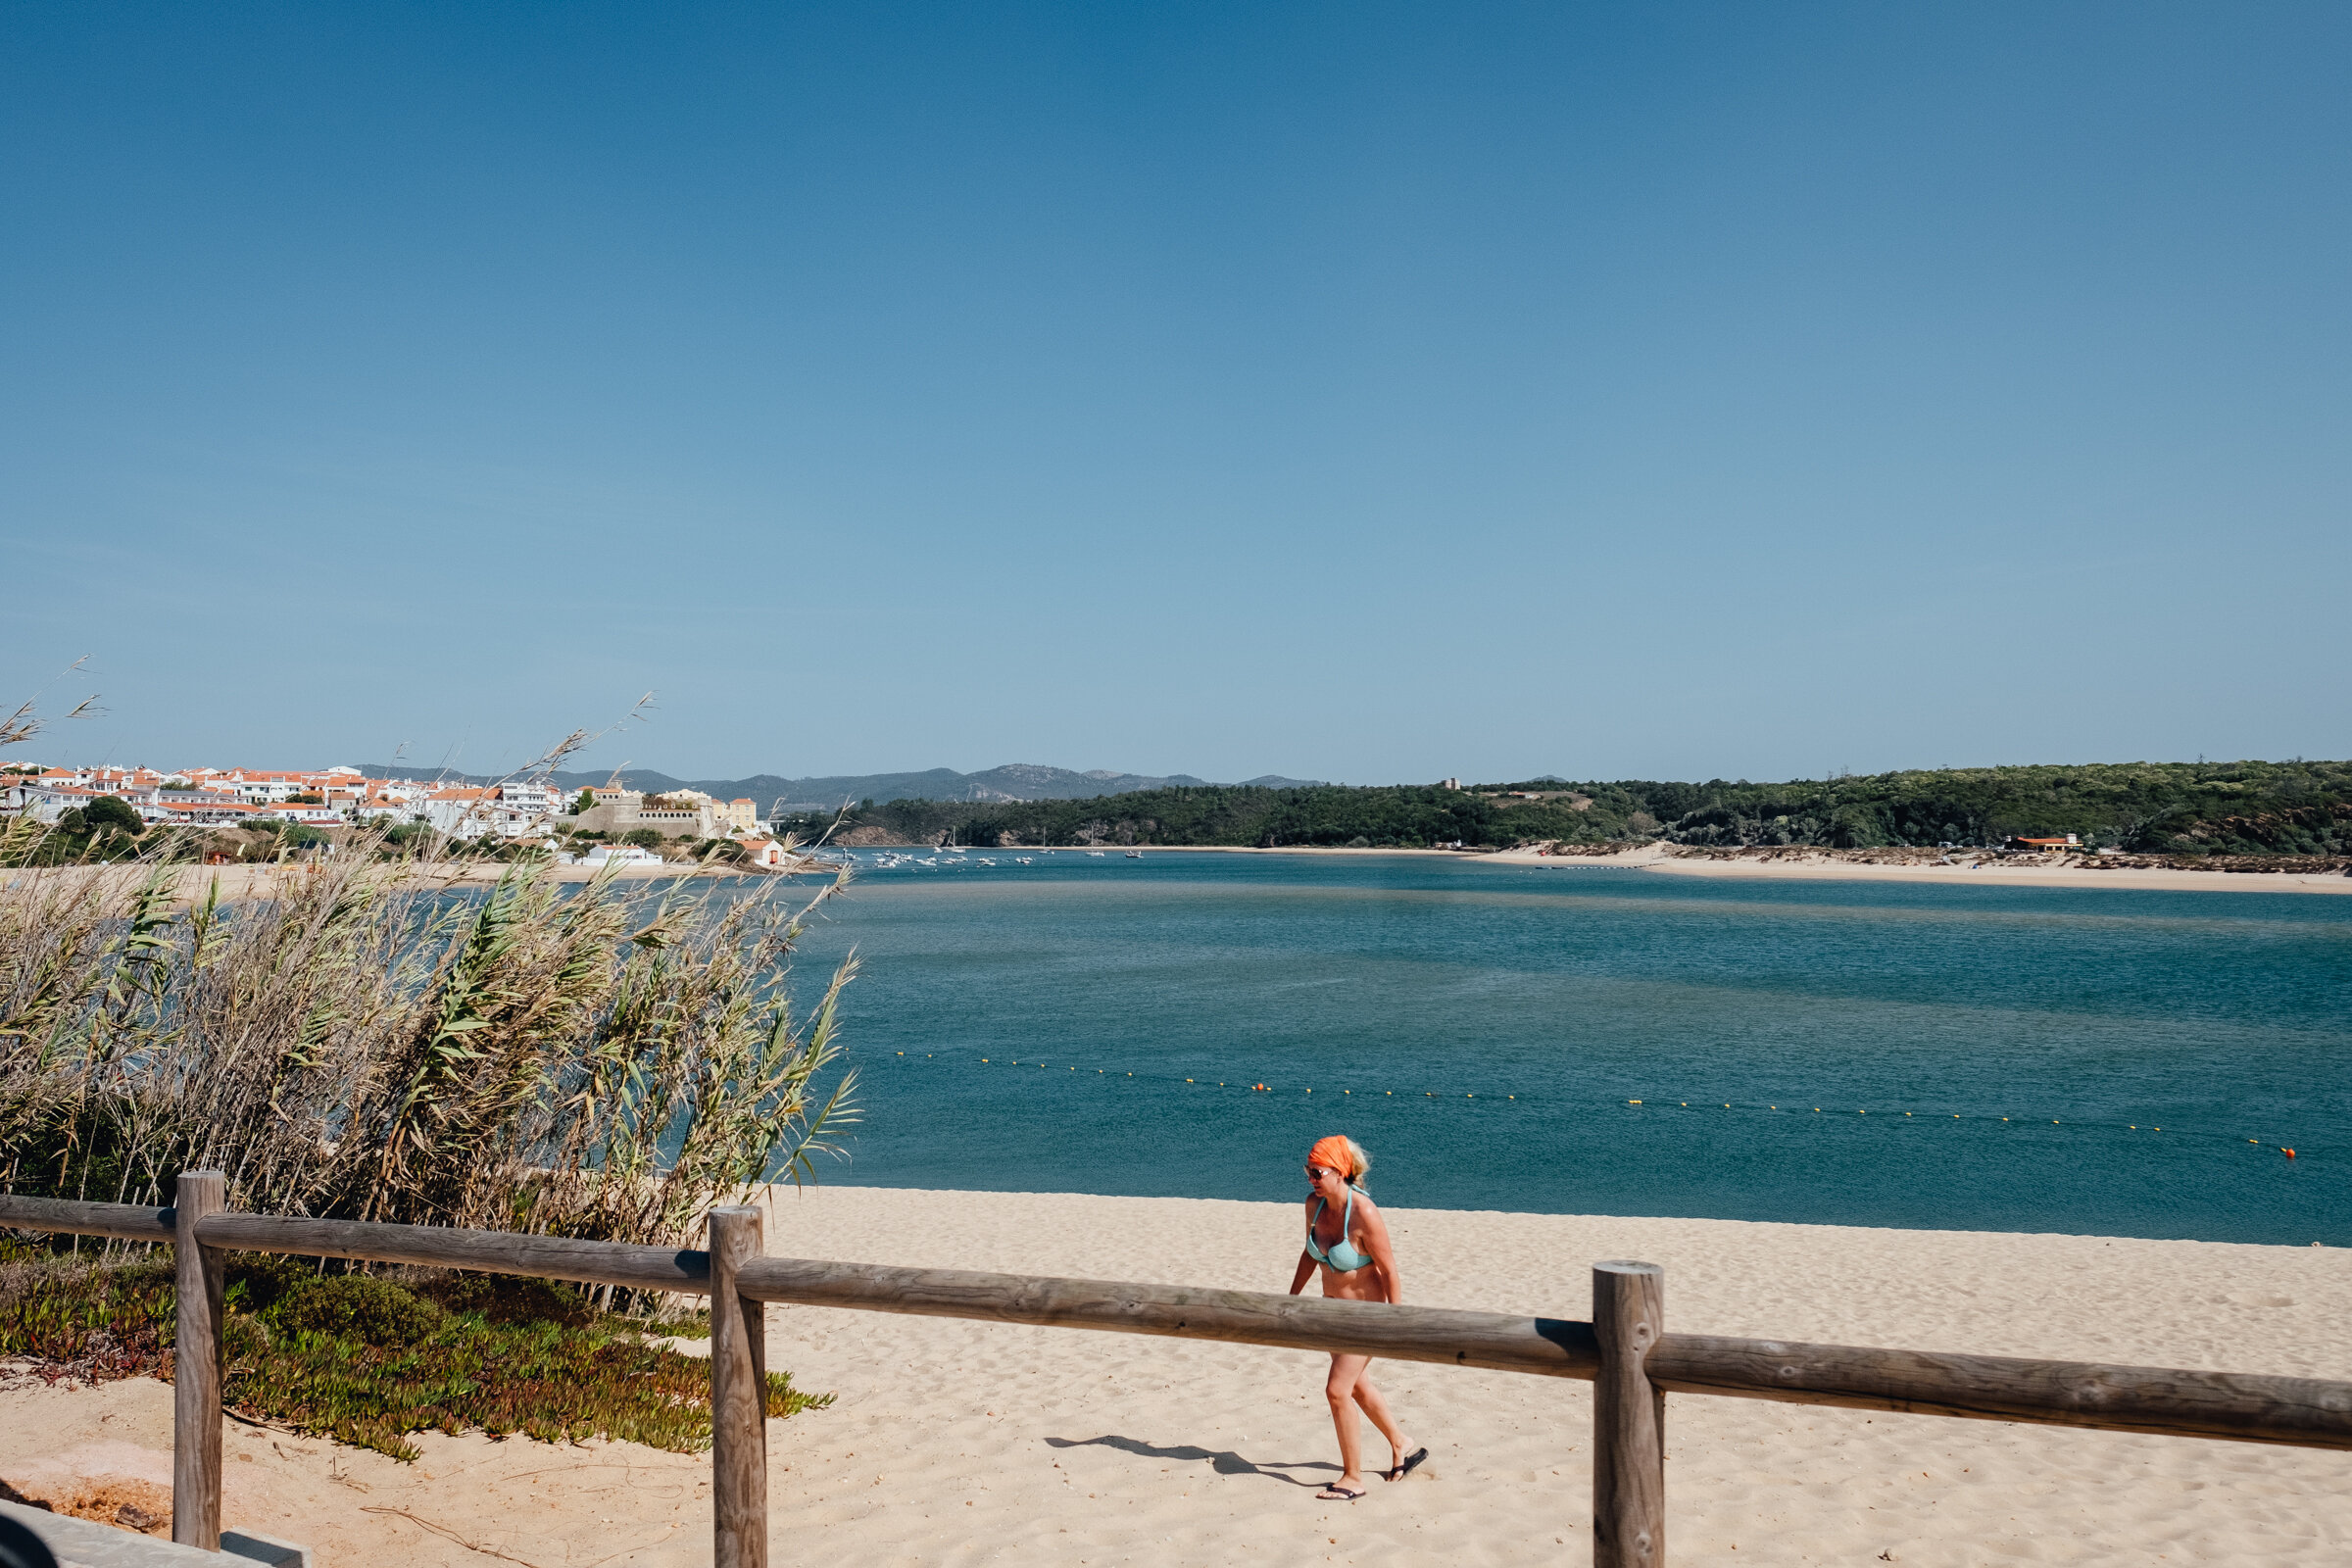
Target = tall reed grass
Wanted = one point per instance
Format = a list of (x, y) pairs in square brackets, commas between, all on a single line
[(365, 1038)]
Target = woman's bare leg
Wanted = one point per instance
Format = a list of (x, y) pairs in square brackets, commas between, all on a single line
[(1347, 1371), (1378, 1409)]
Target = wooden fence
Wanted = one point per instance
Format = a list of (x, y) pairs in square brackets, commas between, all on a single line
[(1624, 1350)]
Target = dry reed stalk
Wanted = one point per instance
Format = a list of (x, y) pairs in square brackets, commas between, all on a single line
[(359, 1040)]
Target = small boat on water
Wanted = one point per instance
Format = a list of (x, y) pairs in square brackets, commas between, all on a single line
[(1097, 855), (1135, 855)]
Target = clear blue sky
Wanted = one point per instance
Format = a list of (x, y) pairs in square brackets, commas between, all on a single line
[(1349, 391)]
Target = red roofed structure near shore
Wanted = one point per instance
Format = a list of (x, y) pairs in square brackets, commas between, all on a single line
[(208, 811), (765, 852)]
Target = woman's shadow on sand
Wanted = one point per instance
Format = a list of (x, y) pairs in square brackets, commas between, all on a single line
[(1224, 1463)]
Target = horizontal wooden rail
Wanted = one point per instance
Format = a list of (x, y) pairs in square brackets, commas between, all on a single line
[(2244, 1407), (1551, 1347), (554, 1258), (134, 1222)]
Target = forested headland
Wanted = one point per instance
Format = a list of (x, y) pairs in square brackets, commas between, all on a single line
[(2173, 808)]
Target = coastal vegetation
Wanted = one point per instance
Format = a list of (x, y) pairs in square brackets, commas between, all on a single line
[(2172, 808), (365, 1037), (362, 1043), (603, 1061), (369, 1361)]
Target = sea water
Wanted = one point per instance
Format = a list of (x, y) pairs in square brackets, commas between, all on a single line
[(1584, 1040)]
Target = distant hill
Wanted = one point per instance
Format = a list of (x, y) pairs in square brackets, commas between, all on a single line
[(1015, 781), (2297, 807)]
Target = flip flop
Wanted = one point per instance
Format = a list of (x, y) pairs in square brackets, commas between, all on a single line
[(1337, 1493), (1410, 1460)]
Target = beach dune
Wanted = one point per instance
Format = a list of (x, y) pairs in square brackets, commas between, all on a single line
[(966, 1443)]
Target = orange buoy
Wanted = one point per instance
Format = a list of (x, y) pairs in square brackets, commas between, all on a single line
[(2288, 1153)]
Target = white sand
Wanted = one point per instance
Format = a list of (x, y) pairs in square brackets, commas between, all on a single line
[(968, 1442), (1987, 871), (1825, 865)]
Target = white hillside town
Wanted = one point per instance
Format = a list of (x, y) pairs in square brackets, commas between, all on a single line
[(345, 797)]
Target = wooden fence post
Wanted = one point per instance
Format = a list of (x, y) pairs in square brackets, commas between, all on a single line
[(196, 1364), (737, 1396), (1628, 1418)]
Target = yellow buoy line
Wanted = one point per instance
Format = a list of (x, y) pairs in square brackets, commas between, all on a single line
[(1883, 1113)]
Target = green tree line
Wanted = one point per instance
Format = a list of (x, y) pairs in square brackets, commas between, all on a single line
[(2246, 808)]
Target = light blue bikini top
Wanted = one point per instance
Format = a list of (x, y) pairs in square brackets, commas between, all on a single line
[(1343, 1255)]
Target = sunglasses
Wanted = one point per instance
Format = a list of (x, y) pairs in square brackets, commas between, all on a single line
[(1315, 1173)]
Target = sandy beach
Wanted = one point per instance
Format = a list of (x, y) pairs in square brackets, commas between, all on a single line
[(966, 1443), (1986, 871), (1827, 866)]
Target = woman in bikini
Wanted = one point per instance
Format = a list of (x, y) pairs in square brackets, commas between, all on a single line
[(1348, 1241)]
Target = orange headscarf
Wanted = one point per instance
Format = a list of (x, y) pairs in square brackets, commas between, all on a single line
[(1332, 1153)]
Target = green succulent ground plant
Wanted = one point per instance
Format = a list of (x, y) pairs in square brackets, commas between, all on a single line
[(371, 1362)]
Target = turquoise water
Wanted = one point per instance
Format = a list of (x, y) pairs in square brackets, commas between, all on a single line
[(1414, 998)]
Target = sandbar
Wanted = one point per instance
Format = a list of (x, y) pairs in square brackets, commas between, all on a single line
[(1806, 865)]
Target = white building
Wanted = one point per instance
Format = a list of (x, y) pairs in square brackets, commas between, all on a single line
[(471, 814), (314, 815), (542, 797), (45, 801), (267, 788), (204, 809), (621, 855)]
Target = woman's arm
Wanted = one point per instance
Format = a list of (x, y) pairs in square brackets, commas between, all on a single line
[(1384, 1257), (1306, 1270)]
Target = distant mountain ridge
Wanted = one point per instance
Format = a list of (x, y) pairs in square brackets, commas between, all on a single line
[(1015, 781)]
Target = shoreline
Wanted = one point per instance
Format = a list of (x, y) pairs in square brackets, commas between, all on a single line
[(1825, 1229), (241, 882), (1787, 865), (952, 1441), (1990, 874)]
